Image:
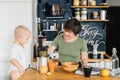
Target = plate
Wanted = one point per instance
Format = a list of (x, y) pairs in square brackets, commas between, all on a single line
[(95, 72), (92, 73)]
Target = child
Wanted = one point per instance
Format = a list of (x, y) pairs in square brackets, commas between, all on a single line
[(17, 56)]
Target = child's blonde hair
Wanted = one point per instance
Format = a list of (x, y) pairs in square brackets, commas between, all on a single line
[(20, 31)]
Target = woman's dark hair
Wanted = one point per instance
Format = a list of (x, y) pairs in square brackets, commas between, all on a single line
[(73, 25)]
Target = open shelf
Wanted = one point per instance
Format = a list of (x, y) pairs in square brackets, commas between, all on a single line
[(90, 20), (89, 6), (55, 17), (106, 56)]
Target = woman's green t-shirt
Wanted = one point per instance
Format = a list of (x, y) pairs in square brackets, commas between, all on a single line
[(69, 51)]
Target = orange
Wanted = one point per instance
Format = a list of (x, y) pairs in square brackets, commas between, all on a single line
[(105, 72)]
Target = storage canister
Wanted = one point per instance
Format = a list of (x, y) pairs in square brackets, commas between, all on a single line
[(76, 3), (103, 15)]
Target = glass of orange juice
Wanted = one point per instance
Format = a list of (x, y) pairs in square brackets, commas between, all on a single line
[(51, 65)]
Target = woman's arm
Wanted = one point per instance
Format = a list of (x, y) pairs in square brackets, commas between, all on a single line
[(84, 59), (51, 48)]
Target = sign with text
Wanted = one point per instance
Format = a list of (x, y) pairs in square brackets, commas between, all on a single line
[(94, 33)]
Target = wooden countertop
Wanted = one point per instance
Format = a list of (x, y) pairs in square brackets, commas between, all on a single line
[(60, 74)]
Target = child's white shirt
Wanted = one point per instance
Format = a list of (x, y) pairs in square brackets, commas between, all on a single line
[(18, 53)]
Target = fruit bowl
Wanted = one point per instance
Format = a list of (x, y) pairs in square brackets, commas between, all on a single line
[(69, 66)]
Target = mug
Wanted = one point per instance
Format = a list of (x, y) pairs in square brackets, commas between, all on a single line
[(87, 71)]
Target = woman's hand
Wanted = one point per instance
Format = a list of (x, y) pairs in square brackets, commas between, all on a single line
[(84, 59), (51, 48)]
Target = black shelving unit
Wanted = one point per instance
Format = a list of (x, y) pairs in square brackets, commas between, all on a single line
[(92, 30)]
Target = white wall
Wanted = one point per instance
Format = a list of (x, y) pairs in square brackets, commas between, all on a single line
[(113, 2), (12, 14)]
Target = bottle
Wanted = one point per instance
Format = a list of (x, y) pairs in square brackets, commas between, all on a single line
[(95, 46), (35, 50), (44, 25), (77, 13), (101, 63), (53, 10), (47, 25), (114, 59), (39, 26), (57, 9)]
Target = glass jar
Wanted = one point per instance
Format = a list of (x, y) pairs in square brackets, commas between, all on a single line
[(95, 15), (77, 13), (43, 65), (89, 2), (84, 14), (92, 3), (83, 2), (103, 14), (76, 3), (101, 62)]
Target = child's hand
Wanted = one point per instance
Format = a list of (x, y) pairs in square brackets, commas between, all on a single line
[(21, 70)]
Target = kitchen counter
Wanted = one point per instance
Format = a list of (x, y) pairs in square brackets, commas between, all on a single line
[(60, 74)]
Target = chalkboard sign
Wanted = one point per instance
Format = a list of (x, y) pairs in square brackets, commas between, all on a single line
[(94, 32)]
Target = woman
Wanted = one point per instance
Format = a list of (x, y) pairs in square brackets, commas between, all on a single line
[(70, 46)]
